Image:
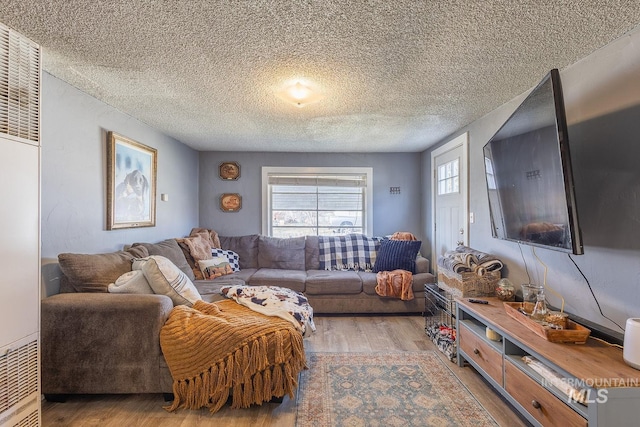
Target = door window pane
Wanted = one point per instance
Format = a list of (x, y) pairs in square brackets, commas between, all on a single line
[(449, 177)]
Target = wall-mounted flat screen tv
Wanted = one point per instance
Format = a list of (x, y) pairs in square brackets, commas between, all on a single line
[(528, 173)]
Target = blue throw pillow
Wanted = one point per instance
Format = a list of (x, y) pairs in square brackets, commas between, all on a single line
[(397, 255)]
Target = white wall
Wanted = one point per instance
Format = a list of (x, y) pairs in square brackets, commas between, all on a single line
[(74, 127), (602, 100)]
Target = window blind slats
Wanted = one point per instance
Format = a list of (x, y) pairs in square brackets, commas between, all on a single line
[(319, 180), (317, 203)]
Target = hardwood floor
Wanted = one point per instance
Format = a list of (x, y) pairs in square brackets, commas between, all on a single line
[(334, 334)]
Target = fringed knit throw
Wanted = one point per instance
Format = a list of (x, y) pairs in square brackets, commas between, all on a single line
[(215, 350)]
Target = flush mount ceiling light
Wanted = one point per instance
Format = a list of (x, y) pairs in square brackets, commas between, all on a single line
[(300, 94)]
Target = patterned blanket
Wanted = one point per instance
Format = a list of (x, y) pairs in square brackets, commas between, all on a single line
[(274, 301), (465, 259), (444, 337), (350, 252)]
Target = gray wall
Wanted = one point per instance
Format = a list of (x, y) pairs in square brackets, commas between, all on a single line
[(602, 100), (74, 127), (392, 212)]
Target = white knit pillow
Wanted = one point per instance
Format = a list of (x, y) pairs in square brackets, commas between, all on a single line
[(167, 279), (132, 282)]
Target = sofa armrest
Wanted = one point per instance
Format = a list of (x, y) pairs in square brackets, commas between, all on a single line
[(422, 264), (102, 343)]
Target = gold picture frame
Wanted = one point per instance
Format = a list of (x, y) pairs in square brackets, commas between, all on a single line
[(131, 183), (230, 202), (229, 171)]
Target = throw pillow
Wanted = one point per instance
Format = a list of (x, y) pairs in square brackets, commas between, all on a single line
[(397, 255), (170, 249), (232, 257), (215, 267), (94, 272), (132, 282), (167, 279)]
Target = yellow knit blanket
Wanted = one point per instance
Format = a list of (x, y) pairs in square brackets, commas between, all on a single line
[(217, 349)]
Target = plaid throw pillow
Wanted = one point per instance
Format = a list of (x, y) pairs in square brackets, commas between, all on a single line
[(350, 252), (234, 259)]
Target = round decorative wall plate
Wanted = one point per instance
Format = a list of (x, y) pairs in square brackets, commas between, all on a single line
[(229, 170), (230, 202)]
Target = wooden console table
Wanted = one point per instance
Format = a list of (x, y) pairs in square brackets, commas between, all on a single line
[(613, 387)]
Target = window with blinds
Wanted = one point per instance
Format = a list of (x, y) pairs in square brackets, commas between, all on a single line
[(325, 201)]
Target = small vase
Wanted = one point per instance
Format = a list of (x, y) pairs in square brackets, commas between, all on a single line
[(540, 309), (631, 350), (530, 292), (505, 290)]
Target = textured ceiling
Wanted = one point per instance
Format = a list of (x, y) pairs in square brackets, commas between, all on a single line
[(395, 75)]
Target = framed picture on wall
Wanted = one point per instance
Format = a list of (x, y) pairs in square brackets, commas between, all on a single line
[(131, 183), (230, 202), (229, 170)]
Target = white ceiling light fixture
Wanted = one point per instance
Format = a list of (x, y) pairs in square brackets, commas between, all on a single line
[(300, 94)]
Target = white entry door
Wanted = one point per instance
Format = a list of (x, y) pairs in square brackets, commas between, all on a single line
[(449, 166)]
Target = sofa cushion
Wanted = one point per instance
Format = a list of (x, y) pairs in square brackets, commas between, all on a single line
[(311, 253), (170, 249), (167, 279), (397, 255), (131, 282), (369, 282), (244, 274), (322, 282), (232, 258), (421, 279), (283, 253), (209, 290), (245, 246), (94, 272), (292, 279)]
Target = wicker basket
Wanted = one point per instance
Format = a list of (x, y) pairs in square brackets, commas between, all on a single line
[(468, 284)]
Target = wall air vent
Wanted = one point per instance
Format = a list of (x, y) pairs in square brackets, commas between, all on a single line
[(19, 384), (19, 85)]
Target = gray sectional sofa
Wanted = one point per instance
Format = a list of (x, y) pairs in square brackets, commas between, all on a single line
[(294, 263), (96, 342)]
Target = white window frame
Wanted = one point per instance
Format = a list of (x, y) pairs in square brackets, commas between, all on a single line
[(266, 202)]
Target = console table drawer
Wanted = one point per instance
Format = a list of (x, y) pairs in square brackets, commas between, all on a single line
[(482, 353), (539, 402)]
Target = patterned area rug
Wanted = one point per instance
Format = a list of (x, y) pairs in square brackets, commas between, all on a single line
[(384, 389)]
